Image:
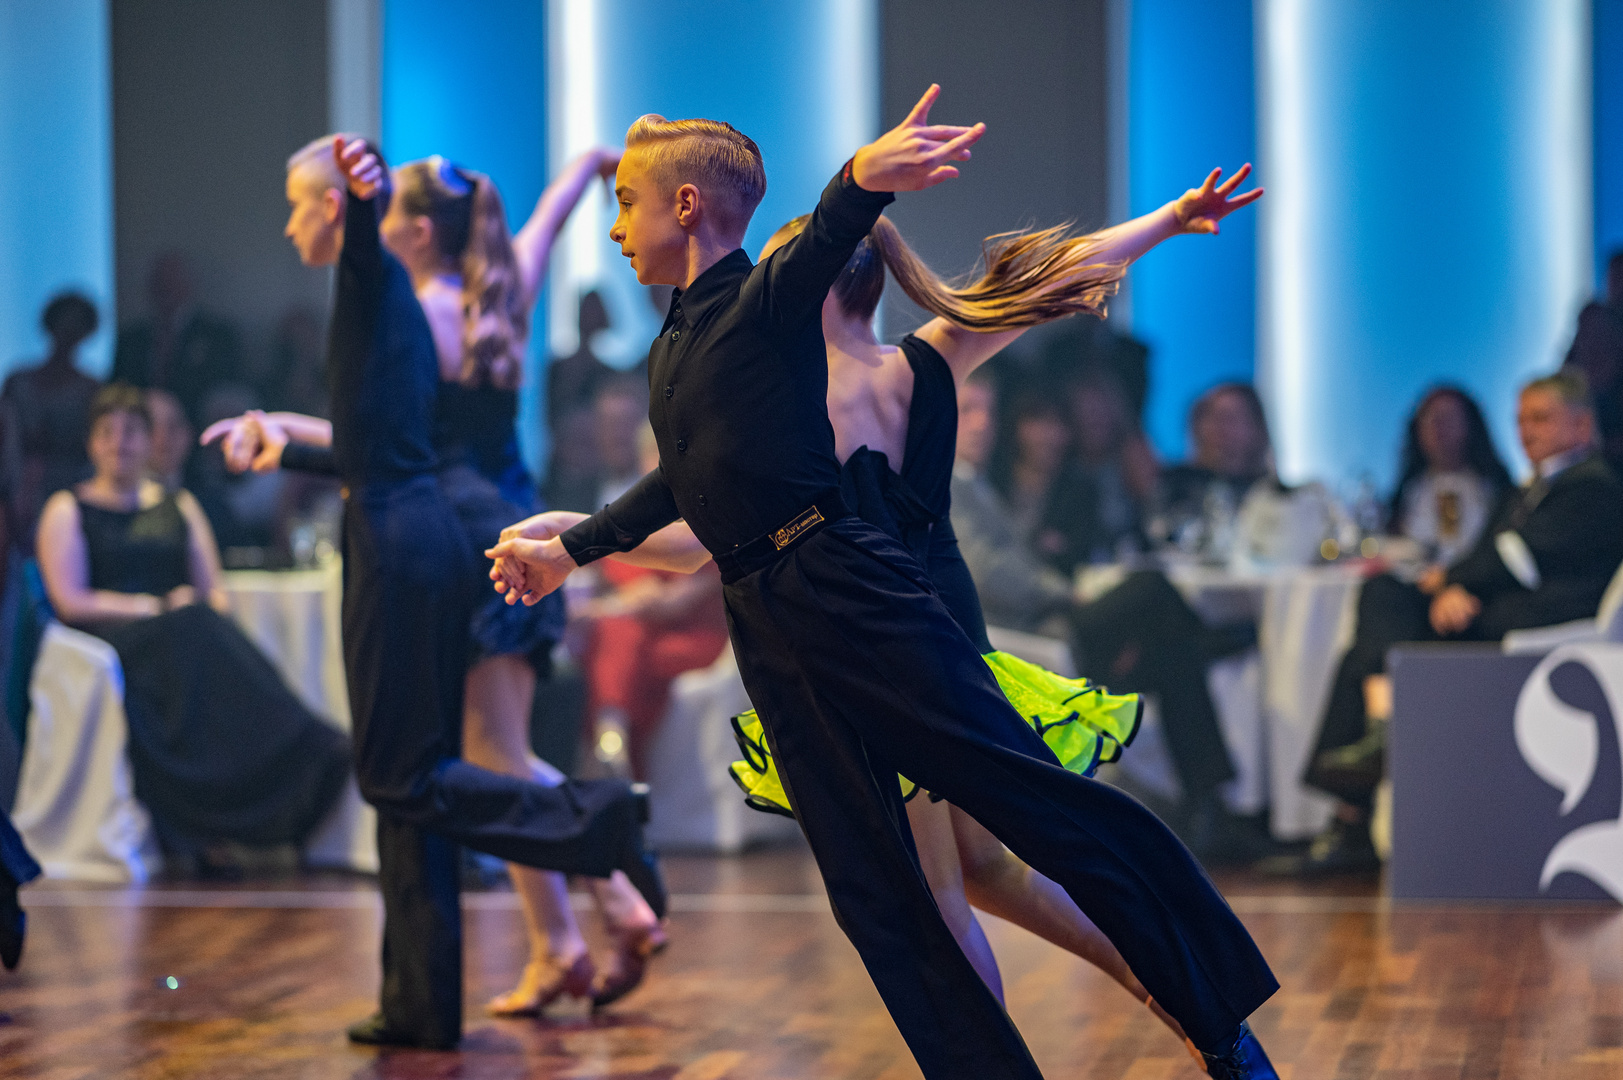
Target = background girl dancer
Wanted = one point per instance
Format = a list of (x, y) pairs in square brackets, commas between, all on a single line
[(899, 404)]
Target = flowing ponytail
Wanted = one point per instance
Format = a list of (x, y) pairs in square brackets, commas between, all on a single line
[(470, 231), (496, 320), (1029, 278)]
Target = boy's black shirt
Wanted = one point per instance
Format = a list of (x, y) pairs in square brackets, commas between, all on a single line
[(738, 392)]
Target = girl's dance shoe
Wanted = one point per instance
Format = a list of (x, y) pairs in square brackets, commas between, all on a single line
[(1082, 724), (544, 982), (637, 947)]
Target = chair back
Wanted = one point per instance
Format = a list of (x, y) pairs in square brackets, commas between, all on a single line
[(1609, 619)]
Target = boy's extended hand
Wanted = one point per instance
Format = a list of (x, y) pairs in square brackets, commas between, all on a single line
[(1200, 209), (913, 155), (527, 570)]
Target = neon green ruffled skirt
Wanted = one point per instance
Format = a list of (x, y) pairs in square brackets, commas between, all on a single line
[(1082, 724)]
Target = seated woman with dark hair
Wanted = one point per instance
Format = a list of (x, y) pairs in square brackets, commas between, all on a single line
[(1452, 478), (221, 750)]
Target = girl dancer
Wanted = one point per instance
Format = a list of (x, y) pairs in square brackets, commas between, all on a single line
[(477, 286), (406, 614), (899, 404)]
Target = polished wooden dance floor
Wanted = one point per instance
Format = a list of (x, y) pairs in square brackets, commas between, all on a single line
[(758, 983)]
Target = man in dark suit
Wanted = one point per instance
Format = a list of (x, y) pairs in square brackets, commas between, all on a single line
[(1547, 557), (1597, 351)]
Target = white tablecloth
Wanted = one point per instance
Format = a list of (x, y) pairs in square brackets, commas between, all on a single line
[(1271, 702), (293, 616)]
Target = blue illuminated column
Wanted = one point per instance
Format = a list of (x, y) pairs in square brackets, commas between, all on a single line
[(1189, 106), (1428, 215), (56, 171), (801, 79), (469, 81)]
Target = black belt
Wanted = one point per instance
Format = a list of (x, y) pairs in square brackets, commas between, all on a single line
[(764, 550)]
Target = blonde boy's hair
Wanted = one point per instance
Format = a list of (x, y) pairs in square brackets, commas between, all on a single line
[(715, 157)]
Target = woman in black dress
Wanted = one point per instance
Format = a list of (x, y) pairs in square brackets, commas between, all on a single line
[(220, 749)]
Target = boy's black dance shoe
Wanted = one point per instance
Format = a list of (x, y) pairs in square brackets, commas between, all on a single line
[(1242, 1061)]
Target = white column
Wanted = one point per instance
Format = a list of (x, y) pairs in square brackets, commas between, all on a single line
[(1428, 214)]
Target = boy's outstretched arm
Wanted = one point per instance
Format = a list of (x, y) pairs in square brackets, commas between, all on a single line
[(911, 156)]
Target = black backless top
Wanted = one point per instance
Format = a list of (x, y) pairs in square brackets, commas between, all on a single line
[(914, 506), (136, 551)]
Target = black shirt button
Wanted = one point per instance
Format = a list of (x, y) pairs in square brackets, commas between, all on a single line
[(681, 446), (670, 391), (702, 501), (676, 335)]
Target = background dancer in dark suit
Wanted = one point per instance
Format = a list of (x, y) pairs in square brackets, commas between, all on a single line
[(477, 286), (407, 601), (839, 633)]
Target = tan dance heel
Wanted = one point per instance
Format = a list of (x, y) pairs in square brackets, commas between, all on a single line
[(543, 982)]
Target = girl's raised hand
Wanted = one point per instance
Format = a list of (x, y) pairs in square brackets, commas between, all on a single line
[(1200, 209)]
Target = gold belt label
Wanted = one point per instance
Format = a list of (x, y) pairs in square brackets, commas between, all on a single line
[(786, 535)]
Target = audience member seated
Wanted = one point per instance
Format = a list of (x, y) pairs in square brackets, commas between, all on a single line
[(1597, 351), (1139, 637), (1232, 453), (641, 631), (1451, 478), (1097, 504), (1546, 557), (603, 457), (220, 749), (172, 439), (44, 414), (1026, 471), (178, 347)]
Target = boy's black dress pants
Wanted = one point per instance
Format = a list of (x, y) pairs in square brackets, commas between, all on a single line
[(859, 673)]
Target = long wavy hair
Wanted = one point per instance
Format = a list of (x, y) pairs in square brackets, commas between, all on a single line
[(470, 231), (1025, 278), (1481, 456)]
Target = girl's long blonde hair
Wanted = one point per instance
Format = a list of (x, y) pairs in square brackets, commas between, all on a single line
[(470, 230), (1029, 277)]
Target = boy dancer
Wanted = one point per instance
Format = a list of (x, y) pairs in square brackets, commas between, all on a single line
[(839, 634)]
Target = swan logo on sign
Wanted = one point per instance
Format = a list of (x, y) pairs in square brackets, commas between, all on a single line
[(1561, 743)]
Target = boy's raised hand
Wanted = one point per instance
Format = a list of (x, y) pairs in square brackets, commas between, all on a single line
[(1200, 209), (914, 154), (360, 166)]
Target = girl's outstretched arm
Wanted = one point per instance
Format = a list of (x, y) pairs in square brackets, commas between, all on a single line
[(1198, 210), (533, 244)]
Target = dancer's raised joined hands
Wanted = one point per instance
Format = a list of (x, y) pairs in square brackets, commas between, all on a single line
[(1199, 210), (360, 165), (914, 154)]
